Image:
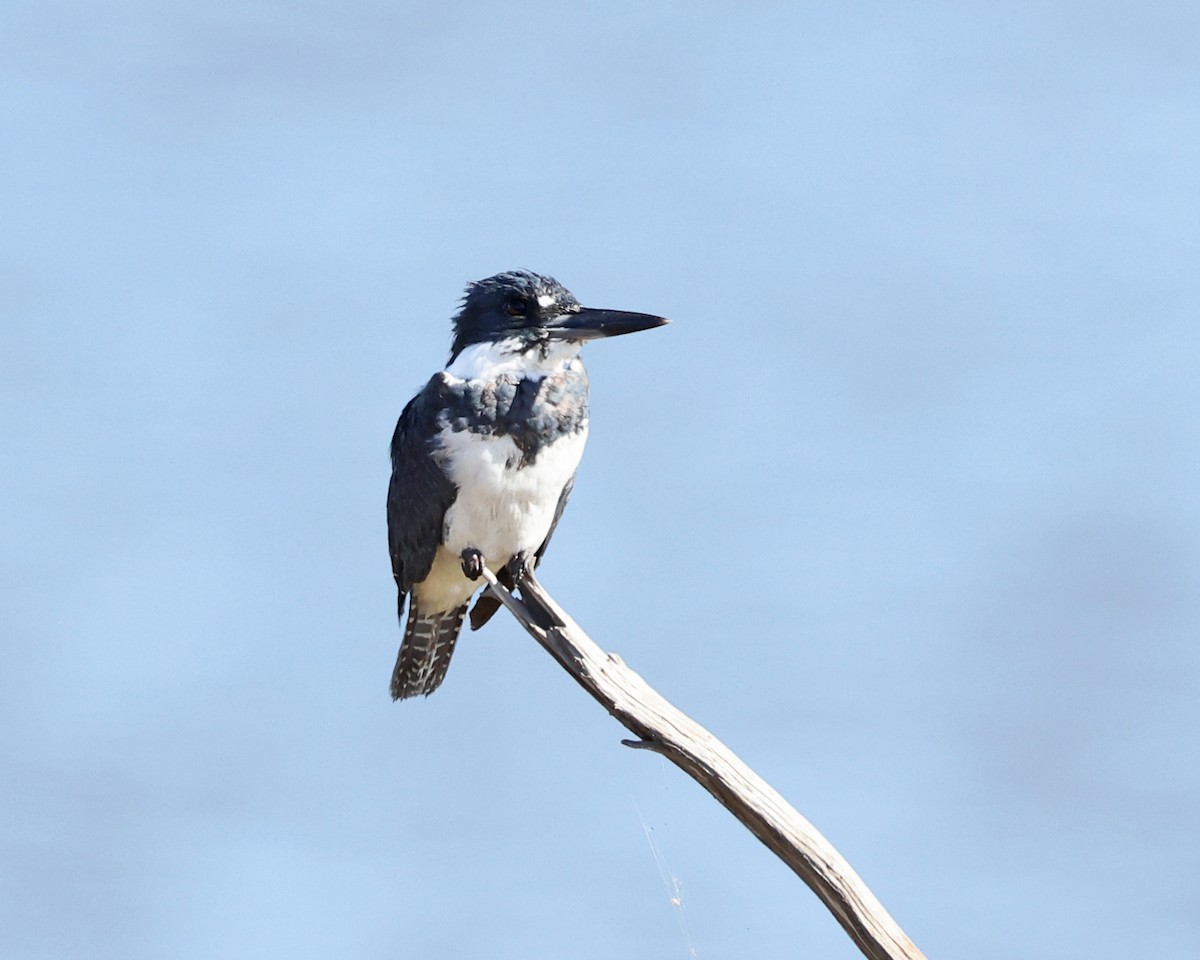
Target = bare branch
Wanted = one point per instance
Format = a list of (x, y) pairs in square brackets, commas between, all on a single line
[(662, 728)]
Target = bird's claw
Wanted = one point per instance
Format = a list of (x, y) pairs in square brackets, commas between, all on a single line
[(519, 569), (472, 563)]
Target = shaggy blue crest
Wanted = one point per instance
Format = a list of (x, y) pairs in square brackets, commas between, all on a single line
[(518, 303)]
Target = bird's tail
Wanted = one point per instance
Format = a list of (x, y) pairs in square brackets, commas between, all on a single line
[(425, 653)]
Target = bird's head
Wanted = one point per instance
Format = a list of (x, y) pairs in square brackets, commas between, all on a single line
[(533, 310)]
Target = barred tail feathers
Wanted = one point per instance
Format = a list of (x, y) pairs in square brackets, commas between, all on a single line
[(425, 653)]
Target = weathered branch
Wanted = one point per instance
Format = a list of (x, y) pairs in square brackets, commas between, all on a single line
[(662, 728)]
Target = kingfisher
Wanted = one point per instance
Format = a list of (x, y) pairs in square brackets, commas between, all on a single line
[(484, 458)]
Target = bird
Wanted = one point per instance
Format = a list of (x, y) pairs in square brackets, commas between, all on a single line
[(484, 459)]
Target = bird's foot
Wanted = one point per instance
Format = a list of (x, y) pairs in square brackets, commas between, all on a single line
[(472, 563), (519, 569)]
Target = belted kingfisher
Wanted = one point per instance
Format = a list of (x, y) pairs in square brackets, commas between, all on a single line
[(484, 458)]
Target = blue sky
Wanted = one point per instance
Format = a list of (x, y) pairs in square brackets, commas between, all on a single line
[(903, 505)]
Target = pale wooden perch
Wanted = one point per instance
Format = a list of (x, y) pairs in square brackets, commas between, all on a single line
[(664, 729)]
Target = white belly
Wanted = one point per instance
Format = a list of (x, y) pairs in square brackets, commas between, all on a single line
[(502, 509)]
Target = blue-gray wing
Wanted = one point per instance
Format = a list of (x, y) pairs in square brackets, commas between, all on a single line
[(419, 494), (558, 512)]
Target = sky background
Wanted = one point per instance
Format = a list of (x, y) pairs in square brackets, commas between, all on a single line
[(904, 506)]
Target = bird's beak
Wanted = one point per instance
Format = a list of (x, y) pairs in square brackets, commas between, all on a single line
[(589, 324)]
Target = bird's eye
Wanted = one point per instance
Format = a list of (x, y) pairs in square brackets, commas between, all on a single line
[(516, 307)]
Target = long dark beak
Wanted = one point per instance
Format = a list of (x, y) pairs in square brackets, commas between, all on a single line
[(590, 324)]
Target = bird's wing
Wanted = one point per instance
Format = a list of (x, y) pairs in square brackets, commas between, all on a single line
[(487, 604), (558, 512), (419, 494)]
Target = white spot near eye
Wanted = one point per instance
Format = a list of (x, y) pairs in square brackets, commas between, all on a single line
[(545, 300)]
